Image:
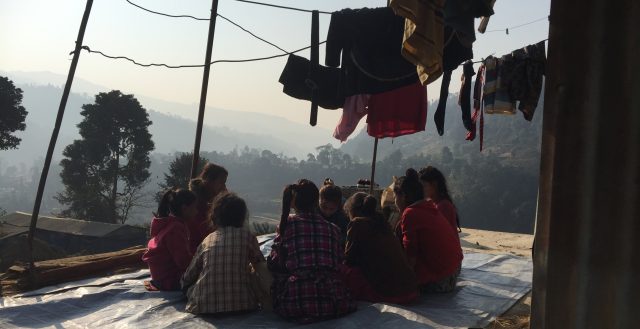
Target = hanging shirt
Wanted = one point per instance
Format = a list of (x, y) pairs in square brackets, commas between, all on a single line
[(399, 112), (364, 43), (298, 83), (523, 73)]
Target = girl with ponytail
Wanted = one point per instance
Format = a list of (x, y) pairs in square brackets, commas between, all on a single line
[(432, 247), (377, 270), (304, 260), (168, 254)]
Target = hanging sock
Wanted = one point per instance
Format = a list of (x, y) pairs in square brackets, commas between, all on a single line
[(315, 63), (438, 118), (464, 99)]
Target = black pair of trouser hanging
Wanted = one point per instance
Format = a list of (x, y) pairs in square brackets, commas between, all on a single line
[(315, 63), (438, 118), (465, 95)]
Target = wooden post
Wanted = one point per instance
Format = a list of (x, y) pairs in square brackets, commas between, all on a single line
[(56, 130), (205, 86), (373, 166), (587, 252)]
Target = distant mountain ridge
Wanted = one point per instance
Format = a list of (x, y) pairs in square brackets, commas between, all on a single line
[(171, 132)]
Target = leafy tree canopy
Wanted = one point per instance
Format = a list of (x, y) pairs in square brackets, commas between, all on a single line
[(12, 114)]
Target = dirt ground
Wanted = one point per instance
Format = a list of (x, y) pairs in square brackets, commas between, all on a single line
[(500, 243)]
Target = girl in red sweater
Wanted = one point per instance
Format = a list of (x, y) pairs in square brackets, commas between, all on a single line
[(168, 254), (435, 189), (207, 186), (432, 247)]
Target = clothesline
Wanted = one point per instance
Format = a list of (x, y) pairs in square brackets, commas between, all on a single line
[(284, 52), (206, 19), (282, 7), (194, 65), (483, 59), (506, 29)]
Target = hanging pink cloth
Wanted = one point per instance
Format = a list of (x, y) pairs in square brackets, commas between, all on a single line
[(354, 109)]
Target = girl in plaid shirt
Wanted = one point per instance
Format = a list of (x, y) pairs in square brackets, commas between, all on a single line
[(218, 279), (305, 259)]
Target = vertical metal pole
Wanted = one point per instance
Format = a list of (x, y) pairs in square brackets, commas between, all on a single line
[(373, 166), (56, 130), (205, 86)]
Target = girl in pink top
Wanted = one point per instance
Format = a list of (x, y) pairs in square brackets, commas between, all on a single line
[(435, 189)]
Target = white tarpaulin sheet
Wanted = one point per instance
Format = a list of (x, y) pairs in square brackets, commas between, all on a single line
[(489, 285)]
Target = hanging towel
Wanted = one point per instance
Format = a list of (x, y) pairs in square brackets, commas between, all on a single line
[(399, 112), (298, 84), (438, 117), (364, 43), (502, 102), (355, 108), (423, 35), (490, 83), (464, 99)]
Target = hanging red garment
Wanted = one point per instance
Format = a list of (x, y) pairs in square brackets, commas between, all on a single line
[(399, 112)]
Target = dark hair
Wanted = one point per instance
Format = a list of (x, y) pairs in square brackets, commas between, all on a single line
[(229, 210), (409, 186), (364, 205), (198, 186), (304, 196), (212, 171), (331, 192), (434, 176), (172, 202)]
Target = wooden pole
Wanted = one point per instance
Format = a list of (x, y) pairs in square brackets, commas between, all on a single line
[(375, 154), (56, 130), (373, 166), (205, 86)]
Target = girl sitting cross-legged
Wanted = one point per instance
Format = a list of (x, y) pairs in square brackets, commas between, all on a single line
[(377, 267), (305, 260), (218, 279), (168, 253)]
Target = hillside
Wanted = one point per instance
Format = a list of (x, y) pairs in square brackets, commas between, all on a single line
[(171, 133)]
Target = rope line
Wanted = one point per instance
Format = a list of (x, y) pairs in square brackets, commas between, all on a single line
[(282, 7), (206, 19), (519, 26), (89, 50)]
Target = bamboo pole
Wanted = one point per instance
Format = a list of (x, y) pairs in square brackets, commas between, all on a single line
[(205, 86), (56, 130)]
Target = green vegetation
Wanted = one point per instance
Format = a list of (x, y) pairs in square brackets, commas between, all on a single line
[(12, 114), (104, 172)]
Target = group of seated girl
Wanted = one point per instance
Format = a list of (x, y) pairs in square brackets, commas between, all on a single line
[(326, 254)]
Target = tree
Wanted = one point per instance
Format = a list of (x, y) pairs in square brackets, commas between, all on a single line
[(12, 114), (105, 171), (179, 172)]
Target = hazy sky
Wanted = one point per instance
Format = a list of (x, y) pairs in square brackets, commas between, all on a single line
[(37, 35)]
